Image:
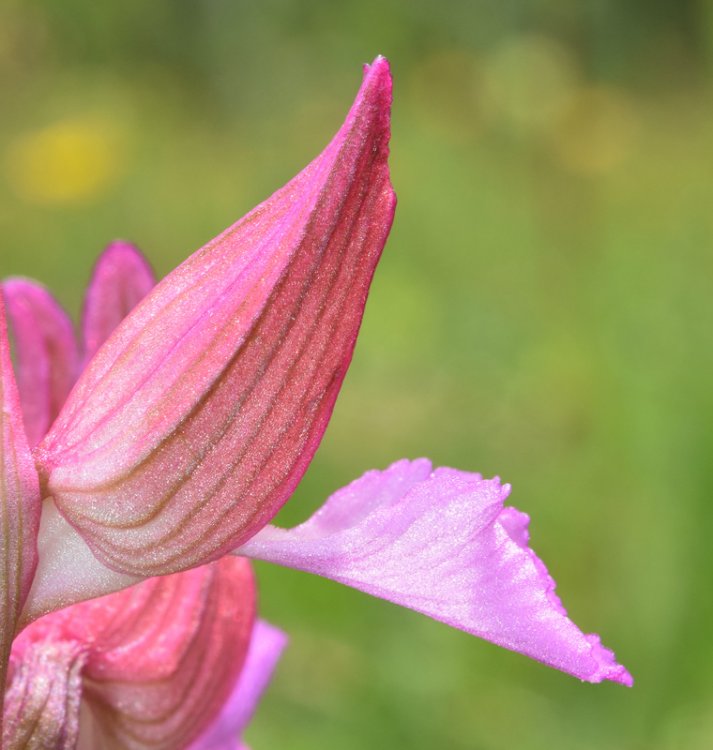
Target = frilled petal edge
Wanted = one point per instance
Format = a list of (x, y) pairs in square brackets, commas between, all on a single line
[(440, 542), (19, 504)]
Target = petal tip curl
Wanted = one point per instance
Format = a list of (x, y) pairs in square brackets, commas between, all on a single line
[(603, 661), (607, 667)]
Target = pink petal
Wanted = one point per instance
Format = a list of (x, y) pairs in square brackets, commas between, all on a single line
[(266, 646), (122, 277), (440, 542), (195, 422), (162, 657), (19, 504), (43, 698), (46, 353)]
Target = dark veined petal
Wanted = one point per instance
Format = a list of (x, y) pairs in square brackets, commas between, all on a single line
[(194, 423), (266, 646), (161, 658), (46, 354), (122, 277), (19, 504), (43, 698), (441, 542)]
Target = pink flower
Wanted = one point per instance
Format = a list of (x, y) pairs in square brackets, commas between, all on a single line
[(194, 418)]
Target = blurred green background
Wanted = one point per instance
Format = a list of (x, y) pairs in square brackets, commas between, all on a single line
[(542, 311)]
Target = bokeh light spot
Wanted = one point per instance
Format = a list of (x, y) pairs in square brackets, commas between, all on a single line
[(597, 131), (530, 80), (71, 161)]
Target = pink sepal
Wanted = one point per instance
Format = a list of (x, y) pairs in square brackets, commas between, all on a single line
[(46, 353), (441, 542), (67, 572), (122, 277), (43, 698), (266, 646), (194, 423)]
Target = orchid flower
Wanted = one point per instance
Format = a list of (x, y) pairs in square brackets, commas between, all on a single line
[(200, 402)]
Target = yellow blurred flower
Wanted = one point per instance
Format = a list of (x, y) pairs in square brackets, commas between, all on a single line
[(71, 161)]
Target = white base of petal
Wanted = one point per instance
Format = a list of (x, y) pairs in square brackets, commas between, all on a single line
[(67, 572)]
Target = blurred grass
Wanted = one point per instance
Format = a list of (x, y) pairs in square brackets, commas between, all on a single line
[(542, 311)]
